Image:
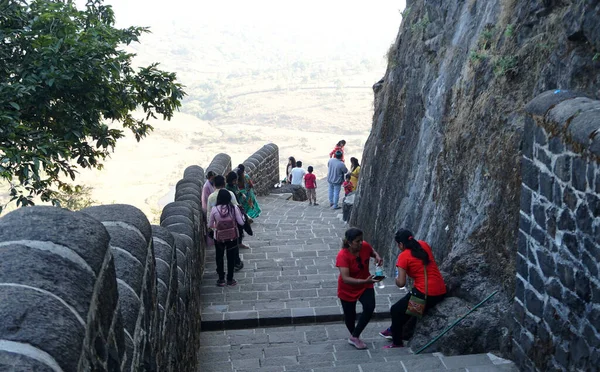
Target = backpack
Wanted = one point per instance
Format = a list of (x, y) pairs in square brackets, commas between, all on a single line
[(226, 229)]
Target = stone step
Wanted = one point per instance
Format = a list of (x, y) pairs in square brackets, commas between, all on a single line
[(323, 348)]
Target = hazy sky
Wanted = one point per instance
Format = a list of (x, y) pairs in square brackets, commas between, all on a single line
[(366, 24)]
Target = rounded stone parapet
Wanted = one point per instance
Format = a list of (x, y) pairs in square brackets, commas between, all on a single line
[(221, 164), (263, 168), (132, 249), (58, 289), (571, 115), (194, 172)]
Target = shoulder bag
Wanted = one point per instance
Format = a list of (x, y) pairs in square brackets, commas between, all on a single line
[(416, 305)]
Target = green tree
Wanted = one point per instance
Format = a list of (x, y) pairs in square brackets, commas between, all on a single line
[(63, 77)]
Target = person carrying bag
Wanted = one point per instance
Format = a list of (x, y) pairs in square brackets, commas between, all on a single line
[(416, 261)]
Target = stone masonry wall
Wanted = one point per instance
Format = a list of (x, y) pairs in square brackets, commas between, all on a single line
[(102, 289), (557, 298)]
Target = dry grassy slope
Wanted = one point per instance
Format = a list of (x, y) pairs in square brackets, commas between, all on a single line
[(443, 155)]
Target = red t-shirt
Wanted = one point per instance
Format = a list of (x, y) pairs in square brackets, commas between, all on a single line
[(351, 292), (414, 269), (309, 180)]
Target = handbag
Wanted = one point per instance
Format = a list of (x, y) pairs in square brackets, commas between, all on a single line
[(416, 305)]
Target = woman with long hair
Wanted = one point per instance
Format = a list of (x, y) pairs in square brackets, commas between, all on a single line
[(338, 147), (355, 283), (225, 211), (288, 169), (354, 172), (416, 261), (247, 196)]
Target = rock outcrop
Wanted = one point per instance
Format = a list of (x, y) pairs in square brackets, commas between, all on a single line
[(444, 154)]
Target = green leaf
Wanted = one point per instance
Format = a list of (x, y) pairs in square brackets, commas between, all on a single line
[(15, 105)]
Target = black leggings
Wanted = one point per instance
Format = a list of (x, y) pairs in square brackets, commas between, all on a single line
[(232, 250), (399, 316), (367, 299)]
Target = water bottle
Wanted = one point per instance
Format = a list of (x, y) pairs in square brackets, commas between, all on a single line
[(379, 272)]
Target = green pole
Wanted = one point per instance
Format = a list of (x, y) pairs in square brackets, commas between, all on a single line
[(455, 323)]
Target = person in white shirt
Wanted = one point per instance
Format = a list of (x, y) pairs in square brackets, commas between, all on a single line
[(298, 174)]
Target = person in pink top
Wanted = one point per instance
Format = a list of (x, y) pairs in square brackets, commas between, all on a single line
[(207, 189), (310, 182), (222, 211)]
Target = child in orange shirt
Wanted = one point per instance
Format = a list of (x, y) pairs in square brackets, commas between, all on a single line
[(347, 185)]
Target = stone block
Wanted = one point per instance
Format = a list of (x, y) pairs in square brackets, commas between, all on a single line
[(593, 202), (555, 289), (42, 321), (579, 176), (64, 278), (584, 219), (557, 194), (546, 262), (546, 185), (539, 214), (562, 167), (544, 158), (582, 285), (122, 214), (541, 138), (78, 232), (536, 280), (572, 244), (566, 275), (533, 303), (524, 224), (526, 200), (538, 235), (570, 198), (545, 101), (566, 221), (583, 126), (15, 362), (556, 145), (530, 174)]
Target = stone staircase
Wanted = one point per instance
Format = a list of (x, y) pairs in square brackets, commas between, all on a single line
[(284, 314)]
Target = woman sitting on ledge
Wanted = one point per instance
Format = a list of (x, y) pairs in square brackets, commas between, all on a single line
[(415, 260)]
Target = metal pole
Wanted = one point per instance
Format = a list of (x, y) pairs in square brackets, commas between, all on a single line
[(455, 323)]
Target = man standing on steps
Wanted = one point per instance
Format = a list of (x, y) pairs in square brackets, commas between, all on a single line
[(335, 178)]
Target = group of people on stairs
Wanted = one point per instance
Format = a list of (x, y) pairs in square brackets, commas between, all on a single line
[(355, 284), (338, 176), (229, 204)]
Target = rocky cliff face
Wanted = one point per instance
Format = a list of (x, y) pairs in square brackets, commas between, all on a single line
[(443, 157)]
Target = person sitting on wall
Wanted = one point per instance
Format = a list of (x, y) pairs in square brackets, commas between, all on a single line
[(416, 261), (297, 174)]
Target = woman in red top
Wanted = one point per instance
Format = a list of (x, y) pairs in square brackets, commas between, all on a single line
[(355, 283), (414, 256)]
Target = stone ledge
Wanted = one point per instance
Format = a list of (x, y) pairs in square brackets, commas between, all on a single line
[(217, 322)]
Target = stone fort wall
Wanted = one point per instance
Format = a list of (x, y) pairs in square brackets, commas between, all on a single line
[(102, 289), (557, 298)]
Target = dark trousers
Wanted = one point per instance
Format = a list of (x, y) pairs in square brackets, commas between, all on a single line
[(367, 299), (399, 316), (238, 260), (231, 249)]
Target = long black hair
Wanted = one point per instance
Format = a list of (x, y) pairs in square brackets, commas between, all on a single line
[(350, 235), (241, 179), (405, 237), (354, 162), (224, 198)]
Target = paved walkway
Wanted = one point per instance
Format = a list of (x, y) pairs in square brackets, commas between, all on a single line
[(289, 274), (284, 314)]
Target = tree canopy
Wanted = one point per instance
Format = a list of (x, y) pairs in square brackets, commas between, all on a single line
[(63, 76)]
